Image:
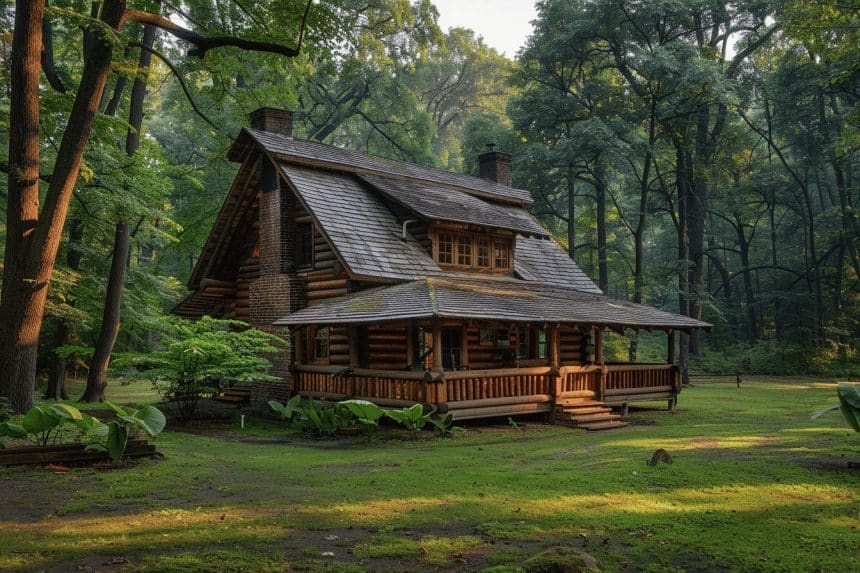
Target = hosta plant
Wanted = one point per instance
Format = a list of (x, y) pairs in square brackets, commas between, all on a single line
[(849, 404)]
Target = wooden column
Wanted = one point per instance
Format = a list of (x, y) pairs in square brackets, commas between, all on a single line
[(598, 345), (437, 346), (352, 334), (670, 346), (553, 342)]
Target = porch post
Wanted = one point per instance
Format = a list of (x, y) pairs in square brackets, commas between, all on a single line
[(437, 346), (670, 342), (552, 335), (598, 359), (598, 345)]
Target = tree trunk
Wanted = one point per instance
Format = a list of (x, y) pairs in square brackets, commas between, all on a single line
[(749, 296), (600, 190), (683, 267), (33, 238), (571, 213), (20, 323), (57, 377), (97, 377)]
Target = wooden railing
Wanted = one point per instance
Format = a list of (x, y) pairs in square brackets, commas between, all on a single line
[(500, 383), (478, 388)]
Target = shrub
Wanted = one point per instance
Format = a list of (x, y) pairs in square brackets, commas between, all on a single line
[(201, 358), (314, 416), (147, 420)]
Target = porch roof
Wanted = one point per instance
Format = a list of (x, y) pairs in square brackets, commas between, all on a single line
[(509, 300)]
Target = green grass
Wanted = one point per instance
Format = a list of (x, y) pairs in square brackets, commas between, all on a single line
[(755, 486)]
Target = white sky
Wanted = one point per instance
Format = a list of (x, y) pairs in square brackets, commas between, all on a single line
[(504, 24)]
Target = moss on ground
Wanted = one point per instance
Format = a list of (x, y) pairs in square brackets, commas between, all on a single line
[(755, 486)]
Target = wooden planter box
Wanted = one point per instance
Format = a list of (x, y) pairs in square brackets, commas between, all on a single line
[(34, 455)]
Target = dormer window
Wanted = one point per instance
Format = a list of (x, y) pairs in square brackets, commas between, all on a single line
[(502, 254), (474, 251)]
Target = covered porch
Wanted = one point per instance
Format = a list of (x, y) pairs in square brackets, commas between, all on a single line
[(480, 349)]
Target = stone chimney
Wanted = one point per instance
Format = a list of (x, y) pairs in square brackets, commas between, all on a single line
[(495, 165), (272, 120)]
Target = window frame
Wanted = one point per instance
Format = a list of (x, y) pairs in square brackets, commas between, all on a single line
[(452, 248), (315, 335)]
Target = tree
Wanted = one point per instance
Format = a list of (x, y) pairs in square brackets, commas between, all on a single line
[(34, 233)]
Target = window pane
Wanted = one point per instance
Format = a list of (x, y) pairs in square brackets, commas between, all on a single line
[(446, 248), (542, 345), (523, 351), (464, 250), (483, 247), (502, 254)]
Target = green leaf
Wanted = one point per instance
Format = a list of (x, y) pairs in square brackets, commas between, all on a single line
[(10, 430), (366, 412), (92, 426), (117, 440), (66, 411), (38, 420), (151, 419)]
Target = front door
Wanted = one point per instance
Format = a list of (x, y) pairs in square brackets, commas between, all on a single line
[(452, 348)]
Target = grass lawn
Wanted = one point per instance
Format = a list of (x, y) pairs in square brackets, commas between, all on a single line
[(755, 486)]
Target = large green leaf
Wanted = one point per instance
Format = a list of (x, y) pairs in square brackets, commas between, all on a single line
[(10, 430), (849, 404), (92, 426), (38, 420), (151, 420), (117, 440), (366, 412), (66, 411)]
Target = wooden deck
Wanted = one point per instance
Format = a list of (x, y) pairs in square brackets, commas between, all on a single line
[(575, 393)]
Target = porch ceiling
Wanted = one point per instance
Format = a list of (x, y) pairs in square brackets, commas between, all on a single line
[(456, 296)]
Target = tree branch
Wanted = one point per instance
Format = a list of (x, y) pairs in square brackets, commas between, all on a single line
[(203, 44)]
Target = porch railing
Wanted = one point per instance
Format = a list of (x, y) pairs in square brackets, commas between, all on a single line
[(615, 383)]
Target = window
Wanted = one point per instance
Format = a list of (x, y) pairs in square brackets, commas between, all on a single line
[(502, 254), (474, 251), (304, 244), (495, 337), (446, 248), (483, 248), (321, 343), (542, 344), (464, 250), (524, 342)]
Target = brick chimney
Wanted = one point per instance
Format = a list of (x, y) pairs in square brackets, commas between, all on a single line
[(495, 165), (272, 120)]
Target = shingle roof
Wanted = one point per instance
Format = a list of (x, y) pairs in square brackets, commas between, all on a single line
[(364, 232), (487, 299), (434, 201), (328, 156), (543, 260)]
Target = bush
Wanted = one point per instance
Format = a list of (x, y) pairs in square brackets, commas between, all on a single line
[(201, 358), (768, 357)]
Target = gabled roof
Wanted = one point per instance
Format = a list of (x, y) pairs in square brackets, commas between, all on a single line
[(299, 151), (436, 202), (486, 299), (365, 234)]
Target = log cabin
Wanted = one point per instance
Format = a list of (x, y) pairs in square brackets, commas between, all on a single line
[(402, 284)]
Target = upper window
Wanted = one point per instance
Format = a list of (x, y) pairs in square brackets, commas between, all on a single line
[(304, 244), (502, 253), (446, 248), (474, 251)]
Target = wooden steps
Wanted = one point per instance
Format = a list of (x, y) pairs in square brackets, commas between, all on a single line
[(586, 413), (237, 395)]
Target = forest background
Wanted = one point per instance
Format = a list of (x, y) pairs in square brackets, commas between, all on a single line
[(698, 156)]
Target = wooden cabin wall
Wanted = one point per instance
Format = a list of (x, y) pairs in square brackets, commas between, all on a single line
[(486, 357), (387, 347), (421, 231), (338, 346), (571, 342)]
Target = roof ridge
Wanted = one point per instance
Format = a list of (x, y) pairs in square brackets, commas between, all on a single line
[(406, 169)]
